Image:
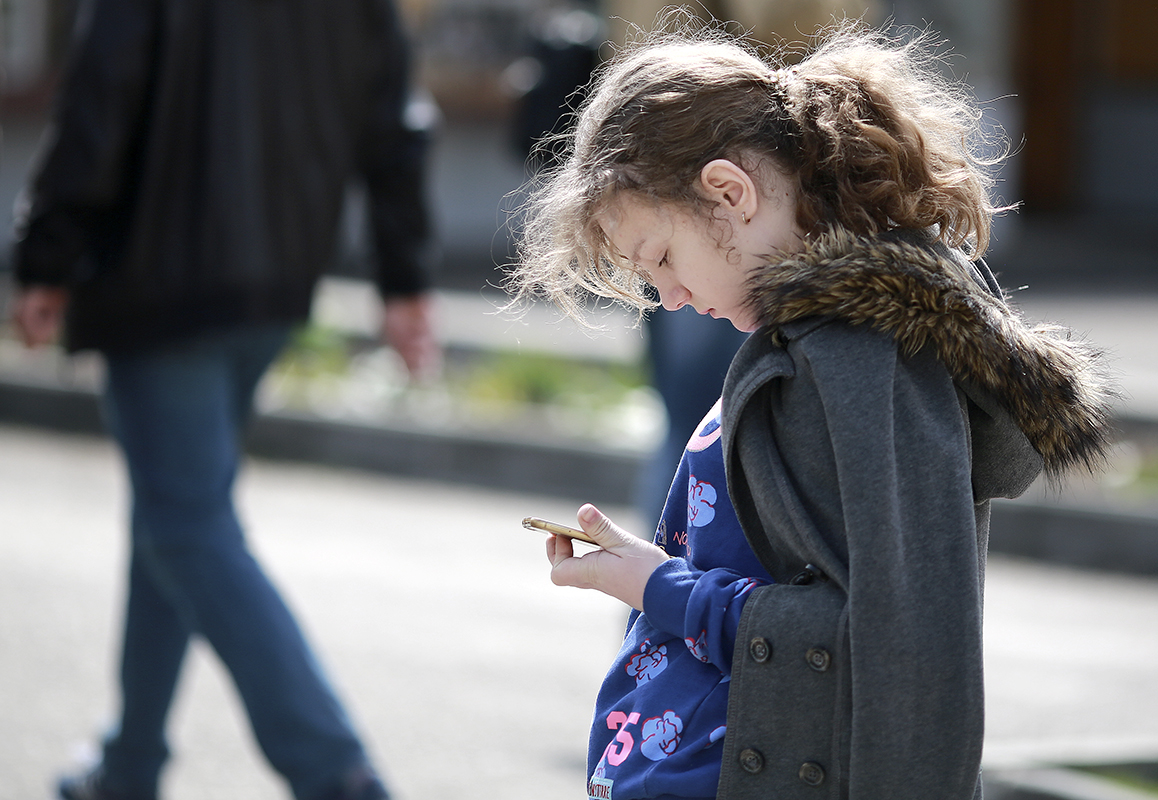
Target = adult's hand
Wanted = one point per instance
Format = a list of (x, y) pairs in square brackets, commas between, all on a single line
[(38, 314), (621, 569), (408, 327)]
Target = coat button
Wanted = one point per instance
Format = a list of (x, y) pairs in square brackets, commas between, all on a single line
[(818, 658), (811, 773), (751, 760), (810, 574), (802, 578), (760, 649)]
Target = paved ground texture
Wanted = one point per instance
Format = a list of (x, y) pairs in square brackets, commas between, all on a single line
[(470, 674)]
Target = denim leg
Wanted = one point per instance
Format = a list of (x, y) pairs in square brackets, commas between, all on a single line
[(178, 414), (154, 645)]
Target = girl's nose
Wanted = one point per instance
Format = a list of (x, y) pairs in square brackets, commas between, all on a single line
[(672, 296)]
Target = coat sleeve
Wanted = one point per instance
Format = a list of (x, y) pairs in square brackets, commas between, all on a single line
[(81, 172), (874, 683), (393, 154)]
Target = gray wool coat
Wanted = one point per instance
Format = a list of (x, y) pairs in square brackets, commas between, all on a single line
[(890, 394)]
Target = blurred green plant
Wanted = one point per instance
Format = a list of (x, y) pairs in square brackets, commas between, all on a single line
[(1140, 777), (315, 351), (1147, 474), (329, 372), (540, 379)]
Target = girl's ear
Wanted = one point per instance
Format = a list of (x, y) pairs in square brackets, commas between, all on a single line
[(731, 186)]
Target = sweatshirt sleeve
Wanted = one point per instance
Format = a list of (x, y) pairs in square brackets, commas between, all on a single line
[(703, 608)]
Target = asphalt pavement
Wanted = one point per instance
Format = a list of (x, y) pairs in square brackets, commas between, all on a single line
[(470, 674)]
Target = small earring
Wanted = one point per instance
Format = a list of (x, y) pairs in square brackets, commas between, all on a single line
[(743, 218)]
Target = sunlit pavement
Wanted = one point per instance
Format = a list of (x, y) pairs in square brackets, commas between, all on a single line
[(471, 675)]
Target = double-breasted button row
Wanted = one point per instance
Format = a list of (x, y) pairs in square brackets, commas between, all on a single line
[(760, 649), (752, 761)]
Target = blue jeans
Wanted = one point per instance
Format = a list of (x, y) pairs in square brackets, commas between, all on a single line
[(178, 413)]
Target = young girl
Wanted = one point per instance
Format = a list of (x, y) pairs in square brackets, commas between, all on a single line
[(808, 620)]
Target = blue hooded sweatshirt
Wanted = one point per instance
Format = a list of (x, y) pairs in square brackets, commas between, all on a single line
[(661, 711)]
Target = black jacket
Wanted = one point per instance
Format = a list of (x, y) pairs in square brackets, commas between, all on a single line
[(196, 167)]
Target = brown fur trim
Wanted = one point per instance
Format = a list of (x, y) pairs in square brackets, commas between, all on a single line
[(1056, 388)]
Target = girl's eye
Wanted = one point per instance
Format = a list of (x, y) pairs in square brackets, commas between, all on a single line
[(663, 261)]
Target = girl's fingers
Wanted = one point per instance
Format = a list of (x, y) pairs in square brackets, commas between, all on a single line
[(559, 548), (605, 532), (621, 567)]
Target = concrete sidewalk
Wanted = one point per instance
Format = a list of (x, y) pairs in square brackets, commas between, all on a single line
[(470, 673)]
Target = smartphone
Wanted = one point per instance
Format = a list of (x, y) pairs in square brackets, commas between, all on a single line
[(536, 524)]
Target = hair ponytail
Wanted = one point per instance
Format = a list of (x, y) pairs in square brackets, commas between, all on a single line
[(886, 141)]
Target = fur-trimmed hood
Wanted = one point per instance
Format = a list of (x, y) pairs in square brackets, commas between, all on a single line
[(1056, 388)]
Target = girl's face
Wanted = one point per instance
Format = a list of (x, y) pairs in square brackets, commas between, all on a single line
[(701, 262)]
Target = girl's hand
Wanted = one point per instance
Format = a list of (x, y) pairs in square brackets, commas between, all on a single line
[(621, 569)]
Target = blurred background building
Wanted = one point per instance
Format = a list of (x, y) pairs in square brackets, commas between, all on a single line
[(1073, 82)]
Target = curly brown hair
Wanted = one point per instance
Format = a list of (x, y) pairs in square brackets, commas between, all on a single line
[(866, 126)]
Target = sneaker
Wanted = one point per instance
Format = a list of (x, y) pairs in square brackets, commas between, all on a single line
[(91, 786)]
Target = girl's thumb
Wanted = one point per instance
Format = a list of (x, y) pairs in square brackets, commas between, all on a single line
[(598, 526)]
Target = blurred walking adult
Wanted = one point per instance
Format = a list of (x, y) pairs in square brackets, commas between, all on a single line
[(185, 204)]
